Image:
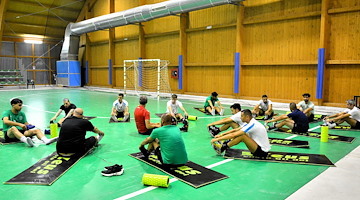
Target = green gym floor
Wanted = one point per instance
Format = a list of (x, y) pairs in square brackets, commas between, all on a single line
[(247, 179)]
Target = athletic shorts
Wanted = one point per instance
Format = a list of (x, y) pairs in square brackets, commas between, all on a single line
[(300, 129), (158, 154), (119, 114), (357, 125), (262, 113), (311, 118), (148, 132), (260, 153), (7, 139), (89, 143), (206, 111)]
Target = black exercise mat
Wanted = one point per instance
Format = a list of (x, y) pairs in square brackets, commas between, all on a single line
[(289, 143), (313, 134), (46, 171), (282, 157), (191, 173), (318, 118), (88, 117), (204, 111), (159, 114)]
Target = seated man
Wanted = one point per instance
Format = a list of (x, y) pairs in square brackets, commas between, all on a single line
[(233, 121), (142, 118), (307, 107), (15, 126), (167, 143), (72, 139), (351, 115), (264, 107), (210, 104), (172, 108), (296, 120), (253, 134), (67, 107), (120, 109)]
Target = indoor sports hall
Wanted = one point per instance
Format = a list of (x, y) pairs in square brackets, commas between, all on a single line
[(90, 53)]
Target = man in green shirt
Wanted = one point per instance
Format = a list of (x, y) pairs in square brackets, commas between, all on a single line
[(210, 105), (16, 127), (167, 142)]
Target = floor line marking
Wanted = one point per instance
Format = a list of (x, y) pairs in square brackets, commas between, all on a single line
[(149, 188)]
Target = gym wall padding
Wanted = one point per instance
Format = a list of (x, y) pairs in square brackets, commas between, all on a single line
[(279, 43)]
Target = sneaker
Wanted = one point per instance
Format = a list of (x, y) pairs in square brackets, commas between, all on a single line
[(114, 118), (52, 140), (213, 130), (112, 166), (213, 112), (331, 125), (47, 131), (184, 128), (217, 147), (222, 112), (29, 142), (115, 170)]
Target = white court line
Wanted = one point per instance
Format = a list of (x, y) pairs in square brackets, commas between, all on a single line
[(149, 188), (290, 137)]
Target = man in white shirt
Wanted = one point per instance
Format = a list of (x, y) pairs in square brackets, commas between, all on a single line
[(120, 109), (173, 107), (351, 115), (253, 134), (307, 107), (264, 107), (234, 121)]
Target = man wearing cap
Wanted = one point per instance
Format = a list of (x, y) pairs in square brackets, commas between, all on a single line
[(142, 118), (351, 115)]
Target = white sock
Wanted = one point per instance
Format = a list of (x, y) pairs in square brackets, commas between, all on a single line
[(23, 139), (44, 139)]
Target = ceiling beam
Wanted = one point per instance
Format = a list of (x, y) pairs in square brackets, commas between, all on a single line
[(49, 6), (18, 13), (21, 35), (3, 7), (34, 25), (88, 5)]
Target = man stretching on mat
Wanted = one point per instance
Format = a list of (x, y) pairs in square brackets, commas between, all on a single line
[(172, 108), (296, 120), (264, 107), (253, 134), (307, 107), (67, 107), (72, 135), (233, 121), (167, 143), (351, 115), (16, 127), (120, 109), (142, 118), (210, 105)]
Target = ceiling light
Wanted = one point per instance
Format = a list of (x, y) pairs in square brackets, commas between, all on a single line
[(33, 41)]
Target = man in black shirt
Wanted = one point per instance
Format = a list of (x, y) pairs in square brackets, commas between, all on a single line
[(72, 135), (67, 107), (297, 121)]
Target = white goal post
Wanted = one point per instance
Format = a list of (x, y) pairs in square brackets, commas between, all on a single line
[(147, 77)]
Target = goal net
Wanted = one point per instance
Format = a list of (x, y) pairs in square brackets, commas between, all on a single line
[(147, 77)]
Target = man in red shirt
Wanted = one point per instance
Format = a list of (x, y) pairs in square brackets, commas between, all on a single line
[(142, 118)]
